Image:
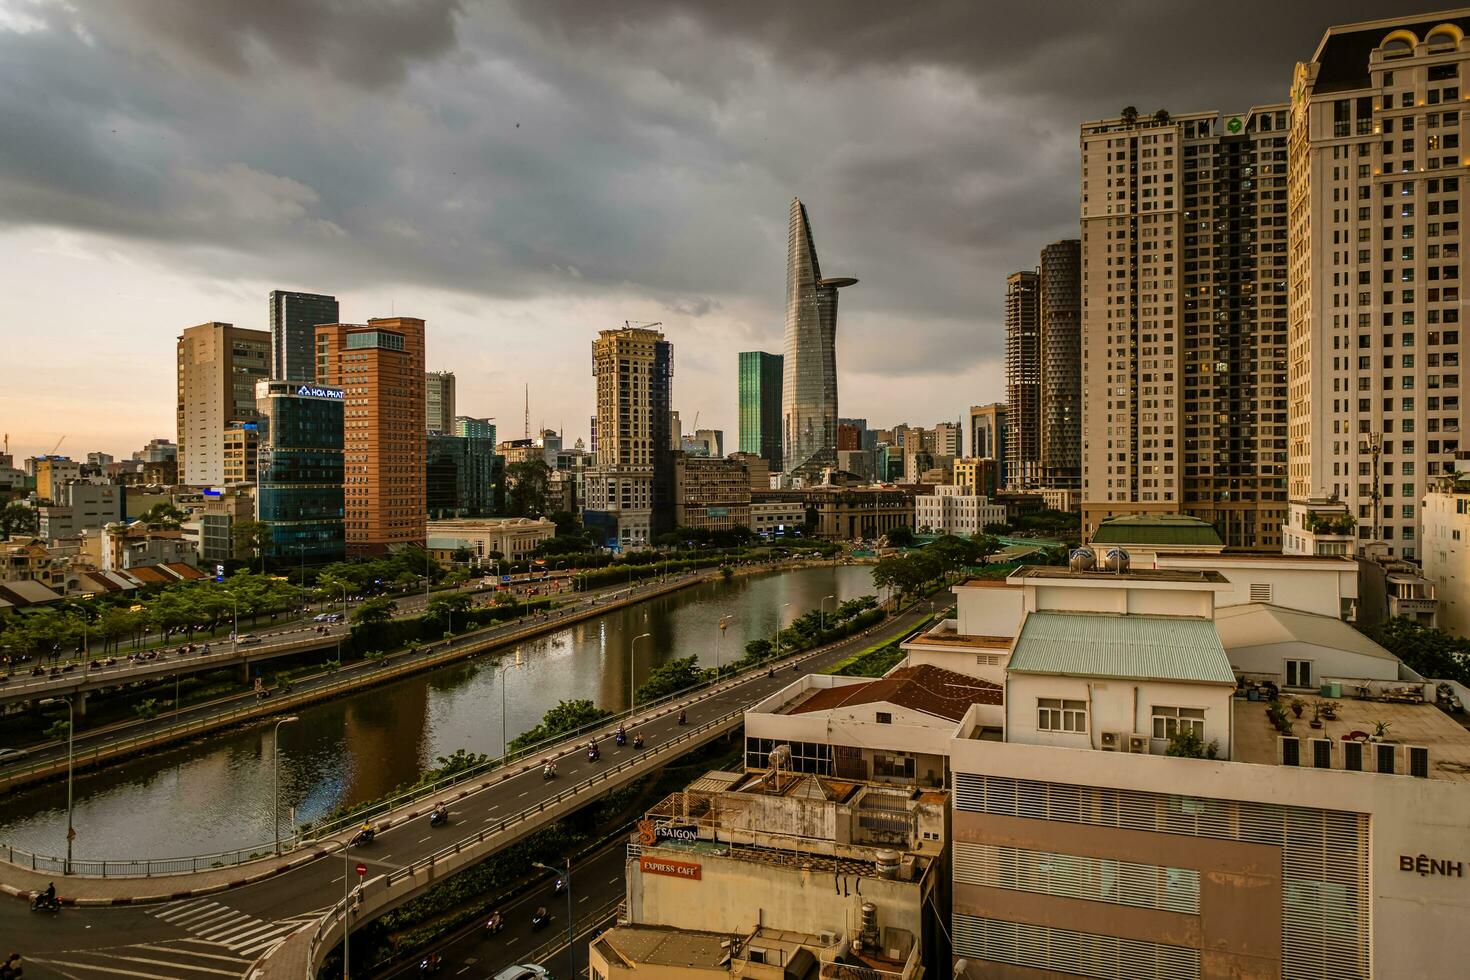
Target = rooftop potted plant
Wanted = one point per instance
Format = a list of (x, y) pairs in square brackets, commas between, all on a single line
[(1380, 731)]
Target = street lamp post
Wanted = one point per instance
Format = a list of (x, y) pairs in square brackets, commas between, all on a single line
[(822, 613), (504, 666), (633, 670), (235, 629), (719, 665), (778, 630), (276, 778), (571, 925), (70, 744)]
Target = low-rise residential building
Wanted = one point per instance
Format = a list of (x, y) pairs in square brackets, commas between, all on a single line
[(1065, 499), (78, 506), (711, 493), (950, 509), (513, 538), (130, 546), (1445, 551), (892, 729), (1318, 526), (216, 518), (731, 862)]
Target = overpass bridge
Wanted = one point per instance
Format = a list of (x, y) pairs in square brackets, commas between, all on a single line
[(292, 904)]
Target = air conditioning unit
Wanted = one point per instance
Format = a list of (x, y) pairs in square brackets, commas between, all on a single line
[(1138, 743), (829, 938), (1114, 742)]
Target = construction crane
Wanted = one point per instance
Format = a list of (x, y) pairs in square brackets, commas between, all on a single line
[(53, 448), (643, 324)]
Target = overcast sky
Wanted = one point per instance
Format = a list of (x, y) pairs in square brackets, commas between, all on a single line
[(523, 174)]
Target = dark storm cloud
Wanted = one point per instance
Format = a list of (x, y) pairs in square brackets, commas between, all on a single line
[(565, 148)]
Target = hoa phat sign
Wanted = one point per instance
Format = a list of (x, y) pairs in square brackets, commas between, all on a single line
[(314, 391), (688, 870)]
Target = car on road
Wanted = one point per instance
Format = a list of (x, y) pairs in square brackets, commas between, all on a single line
[(12, 755), (524, 971), (248, 639)]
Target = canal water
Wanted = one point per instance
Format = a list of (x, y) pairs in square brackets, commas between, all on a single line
[(215, 795)]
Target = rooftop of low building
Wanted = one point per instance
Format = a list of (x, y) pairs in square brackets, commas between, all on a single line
[(1157, 529), (1258, 624), (923, 688), (1126, 646), (1407, 722), (666, 946), (1058, 572)]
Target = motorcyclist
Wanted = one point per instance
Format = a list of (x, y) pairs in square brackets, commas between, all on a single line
[(682, 717), (638, 741), (548, 771)]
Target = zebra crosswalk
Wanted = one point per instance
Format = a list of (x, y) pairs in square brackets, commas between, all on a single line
[(242, 934), (170, 959)]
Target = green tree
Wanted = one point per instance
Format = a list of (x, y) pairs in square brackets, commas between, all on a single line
[(249, 538), (163, 515), (17, 520), (530, 485), (1428, 651), (374, 612), (676, 675), (444, 607), (566, 716), (901, 536)]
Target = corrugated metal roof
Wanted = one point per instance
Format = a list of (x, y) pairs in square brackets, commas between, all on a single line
[(1176, 648), (1167, 529)]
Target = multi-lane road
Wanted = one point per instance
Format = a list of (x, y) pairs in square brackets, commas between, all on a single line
[(166, 941)]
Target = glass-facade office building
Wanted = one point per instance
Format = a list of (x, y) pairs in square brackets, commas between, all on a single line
[(293, 320), (809, 385), (299, 493), (760, 405)]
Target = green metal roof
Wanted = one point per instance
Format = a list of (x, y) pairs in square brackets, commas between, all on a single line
[(1169, 529), (1134, 647)]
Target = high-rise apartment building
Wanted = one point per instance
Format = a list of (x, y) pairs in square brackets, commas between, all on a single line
[(293, 320), (760, 405), (1184, 320), (218, 366), (1061, 364), (947, 439), (241, 449), (809, 384), (299, 493), (630, 487), (1376, 245), (380, 367), (439, 402), (1023, 379), (988, 434)]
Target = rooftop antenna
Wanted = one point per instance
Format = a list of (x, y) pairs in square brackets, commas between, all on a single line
[(528, 411)]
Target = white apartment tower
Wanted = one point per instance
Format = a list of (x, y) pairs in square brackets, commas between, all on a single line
[(1376, 240), (1184, 319)]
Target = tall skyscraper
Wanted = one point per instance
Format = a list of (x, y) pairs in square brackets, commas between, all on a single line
[(947, 439), (809, 385), (1061, 364), (760, 405), (1023, 379), (988, 432), (218, 366), (1184, 320), (299, 490), (380, 367), (293, 320), (630, 487), (439, 402), (1376, 164)]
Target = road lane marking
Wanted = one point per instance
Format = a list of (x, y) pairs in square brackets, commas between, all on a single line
[(207, 956), (107, 969), (171, 964), (423, 839)]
